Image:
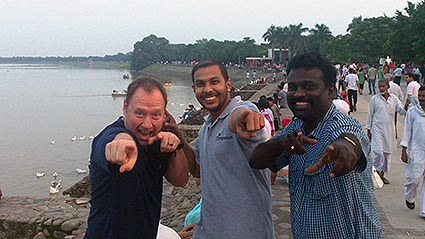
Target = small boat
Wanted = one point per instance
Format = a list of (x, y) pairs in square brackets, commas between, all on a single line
[(167, 83), (52, 142), (40, 174), (55, 175), (81, 171), (119, 93), (74, 138), (55, 186), (82, 137), (91, 137)]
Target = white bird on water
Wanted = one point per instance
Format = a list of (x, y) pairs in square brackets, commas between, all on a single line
[(81, 171), (82, 137), (52, 142), (40, 174), (74, 138), (55, 186), (91, 137)]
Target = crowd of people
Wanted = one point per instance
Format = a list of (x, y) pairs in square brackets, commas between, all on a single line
[(242, 145)]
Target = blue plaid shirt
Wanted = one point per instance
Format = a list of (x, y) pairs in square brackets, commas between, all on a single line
[(325, 207)]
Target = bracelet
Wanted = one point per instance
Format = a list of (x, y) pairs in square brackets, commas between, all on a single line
[(350, 140)]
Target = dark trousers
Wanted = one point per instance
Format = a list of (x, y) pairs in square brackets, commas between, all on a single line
[(340, 84), (352, 97), (395, 123)]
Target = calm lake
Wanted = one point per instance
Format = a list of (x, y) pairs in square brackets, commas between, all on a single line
[(43, 107)]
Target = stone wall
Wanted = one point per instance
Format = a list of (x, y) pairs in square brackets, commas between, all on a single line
[(31, 218)]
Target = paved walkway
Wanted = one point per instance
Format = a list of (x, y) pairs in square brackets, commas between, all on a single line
[(398, 222)]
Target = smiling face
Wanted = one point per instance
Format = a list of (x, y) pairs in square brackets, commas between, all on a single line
[(144, 114), (211, 89), (308, 96)]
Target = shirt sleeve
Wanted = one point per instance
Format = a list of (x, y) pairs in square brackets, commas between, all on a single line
[(407, 131), (370, 114)]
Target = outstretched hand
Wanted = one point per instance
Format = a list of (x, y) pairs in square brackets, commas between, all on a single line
[(293, 142), (343, 153), (122, 152), (265, 153), (169, 141), (247, 123)]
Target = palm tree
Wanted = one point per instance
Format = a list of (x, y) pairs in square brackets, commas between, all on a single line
[(321, 33), (295, 38), (271, 36)]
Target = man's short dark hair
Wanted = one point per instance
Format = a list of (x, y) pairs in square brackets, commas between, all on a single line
[(206, 63), (411, 75), (311, 60), (148, 84), (385, 81)]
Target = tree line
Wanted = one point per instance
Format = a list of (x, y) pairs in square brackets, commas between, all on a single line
[(366, 40)]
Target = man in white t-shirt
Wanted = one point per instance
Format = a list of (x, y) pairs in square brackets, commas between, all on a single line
[(352, 84), (411, 90)]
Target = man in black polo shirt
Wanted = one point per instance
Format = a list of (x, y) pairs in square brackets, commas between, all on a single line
[(128, 161)]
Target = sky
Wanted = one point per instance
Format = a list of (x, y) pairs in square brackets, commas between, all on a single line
[(101, 27)]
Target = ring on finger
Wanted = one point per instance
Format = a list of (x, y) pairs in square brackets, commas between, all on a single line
[(170, 144)]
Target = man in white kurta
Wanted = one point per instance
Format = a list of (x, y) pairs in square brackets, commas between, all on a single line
[(380, 127), (413, 152), (395, 90)]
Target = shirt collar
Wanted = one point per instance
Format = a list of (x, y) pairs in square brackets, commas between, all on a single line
[(317, 131), (229, 108)]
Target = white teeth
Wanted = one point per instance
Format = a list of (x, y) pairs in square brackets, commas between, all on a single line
[(210, 98), (302, 103)]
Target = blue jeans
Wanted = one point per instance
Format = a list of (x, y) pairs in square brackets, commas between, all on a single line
[(371, 84)]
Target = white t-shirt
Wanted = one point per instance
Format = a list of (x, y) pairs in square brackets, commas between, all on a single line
[(351, 80), (412, 92), (341, 105)]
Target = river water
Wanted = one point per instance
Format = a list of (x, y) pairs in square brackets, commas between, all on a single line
[(42, 107)]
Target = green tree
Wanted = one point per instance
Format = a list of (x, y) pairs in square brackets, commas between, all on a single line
[(271, 36), (150, 50), (319, 35), (296, 39)]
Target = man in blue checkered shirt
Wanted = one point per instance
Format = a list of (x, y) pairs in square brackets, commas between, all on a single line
[(330, 181)]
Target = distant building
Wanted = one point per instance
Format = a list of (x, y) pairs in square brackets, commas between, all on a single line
[(281, 56), (257, 62)]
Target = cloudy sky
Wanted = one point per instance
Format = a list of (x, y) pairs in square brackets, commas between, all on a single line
[(100, 27)]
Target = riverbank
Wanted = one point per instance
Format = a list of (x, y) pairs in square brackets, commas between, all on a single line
[(29, 217)]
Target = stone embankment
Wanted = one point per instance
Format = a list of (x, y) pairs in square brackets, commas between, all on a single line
[(66, 217)]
